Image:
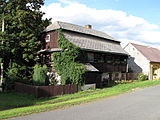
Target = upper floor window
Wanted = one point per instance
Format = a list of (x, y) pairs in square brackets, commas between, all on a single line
[(90, 57), (108, 59), (98, 57), (47, 39), (123, 60)]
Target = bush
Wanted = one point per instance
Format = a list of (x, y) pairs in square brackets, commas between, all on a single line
[(40, 75), (12, 75), (142, 77)]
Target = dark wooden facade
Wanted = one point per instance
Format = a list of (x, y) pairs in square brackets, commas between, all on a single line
[(110, 67), (47, 47), (53, 43), (104, 62), (93, 77)]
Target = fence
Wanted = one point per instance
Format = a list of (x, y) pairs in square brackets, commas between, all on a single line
[(45, 91)]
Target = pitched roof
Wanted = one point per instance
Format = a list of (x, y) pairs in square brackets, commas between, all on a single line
[(88, 39), (152, 54), (93, 43), (90, 67), (77, 28)]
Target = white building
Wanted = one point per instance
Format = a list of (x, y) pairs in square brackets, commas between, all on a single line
[(144, 59)]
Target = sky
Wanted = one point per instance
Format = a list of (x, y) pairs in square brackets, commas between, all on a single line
[(136, 21)]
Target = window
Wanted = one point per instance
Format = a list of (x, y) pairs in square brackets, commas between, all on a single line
[(98, 57), (90, 57), (123, 60), (117, 59), (47, 39), (108, 59)]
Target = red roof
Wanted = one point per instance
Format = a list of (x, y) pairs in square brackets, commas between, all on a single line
[(152, 54)]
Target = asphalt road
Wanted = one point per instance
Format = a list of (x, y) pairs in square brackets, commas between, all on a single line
[(142, 104)]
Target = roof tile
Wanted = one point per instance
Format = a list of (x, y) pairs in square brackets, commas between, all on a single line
[(88, 39), (77, 28), (92, 43)]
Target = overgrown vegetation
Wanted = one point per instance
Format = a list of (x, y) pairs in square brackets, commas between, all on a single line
[(70, 71), (40, 75), (142, 77), (10, 101), (12, 75)]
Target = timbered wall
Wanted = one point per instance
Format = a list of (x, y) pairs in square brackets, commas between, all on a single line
[(105, 62), (52, 42)]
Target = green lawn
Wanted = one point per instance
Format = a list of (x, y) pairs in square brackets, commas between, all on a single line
[(13, 104)]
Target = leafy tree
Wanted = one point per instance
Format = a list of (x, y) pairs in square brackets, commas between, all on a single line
[(23, 26), (12, 76)]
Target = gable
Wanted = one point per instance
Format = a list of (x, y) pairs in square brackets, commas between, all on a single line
[(152, 54), (133, 52), (137, 61)]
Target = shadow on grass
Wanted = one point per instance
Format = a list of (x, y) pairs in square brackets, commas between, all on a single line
[(10, 100)]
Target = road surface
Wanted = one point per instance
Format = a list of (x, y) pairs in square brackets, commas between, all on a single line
[(142, 104)]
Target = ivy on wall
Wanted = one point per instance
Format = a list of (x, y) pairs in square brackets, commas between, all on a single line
[(71, 72)]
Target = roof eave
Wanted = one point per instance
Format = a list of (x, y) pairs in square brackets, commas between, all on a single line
[(154, 61), (104, 51)]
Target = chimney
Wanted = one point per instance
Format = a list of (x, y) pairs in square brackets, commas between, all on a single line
[(88, 26)]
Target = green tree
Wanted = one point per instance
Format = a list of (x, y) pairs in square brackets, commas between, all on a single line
[(12, 74), (23, 26)]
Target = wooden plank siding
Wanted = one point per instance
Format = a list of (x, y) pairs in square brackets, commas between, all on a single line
[(95, 54), (53, 40), (45, 91), (110, 67), (93, 77)]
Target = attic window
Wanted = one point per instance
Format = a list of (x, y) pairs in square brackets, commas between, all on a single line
[(47, 39)]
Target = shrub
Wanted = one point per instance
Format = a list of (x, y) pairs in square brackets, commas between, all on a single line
[(12, 75), (40, 75), (142, 77)]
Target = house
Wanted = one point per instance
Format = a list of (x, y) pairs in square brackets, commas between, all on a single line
[(101, 53), (144, 59)]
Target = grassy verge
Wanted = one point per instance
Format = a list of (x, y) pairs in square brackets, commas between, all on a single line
[(12, 103)]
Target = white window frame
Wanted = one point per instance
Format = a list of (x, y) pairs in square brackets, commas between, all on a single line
[(47, 39)]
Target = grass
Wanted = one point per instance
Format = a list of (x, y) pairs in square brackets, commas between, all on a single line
[(12, 104)]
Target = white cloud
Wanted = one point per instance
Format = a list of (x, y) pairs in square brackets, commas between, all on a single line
[(118, 24)]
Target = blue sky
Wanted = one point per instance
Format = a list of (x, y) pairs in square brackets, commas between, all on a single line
[(126, 20), (148, 9)]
